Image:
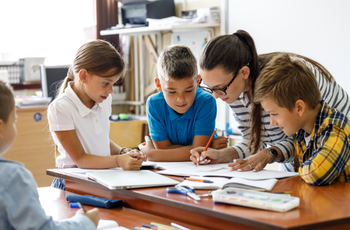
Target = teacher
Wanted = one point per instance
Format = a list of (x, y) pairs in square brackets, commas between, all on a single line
[(229, 67)]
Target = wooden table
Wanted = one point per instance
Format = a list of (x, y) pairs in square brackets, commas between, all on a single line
[(320, 207), (55, 204)]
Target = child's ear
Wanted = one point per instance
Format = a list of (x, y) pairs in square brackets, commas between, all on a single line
[(82, 75), (300, 107), (158, 85)]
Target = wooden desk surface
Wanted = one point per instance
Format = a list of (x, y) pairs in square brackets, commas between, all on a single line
[(55, 204), (320, 207)]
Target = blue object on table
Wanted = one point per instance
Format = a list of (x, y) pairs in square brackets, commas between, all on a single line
[(94, 201), (74, 205), (188, 191)]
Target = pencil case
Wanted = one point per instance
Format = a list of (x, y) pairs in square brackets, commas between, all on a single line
[(94, 201)]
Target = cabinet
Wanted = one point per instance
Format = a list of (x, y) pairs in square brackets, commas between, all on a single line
[(140, 75), (33, 145)]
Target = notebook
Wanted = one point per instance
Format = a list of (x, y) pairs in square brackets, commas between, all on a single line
[(130, 179), (235, 182)]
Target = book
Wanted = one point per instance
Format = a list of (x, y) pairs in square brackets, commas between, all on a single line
[(234, 182)]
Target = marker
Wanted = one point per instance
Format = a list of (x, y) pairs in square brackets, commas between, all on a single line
[(206, 147), (198, 180), (81, 206)]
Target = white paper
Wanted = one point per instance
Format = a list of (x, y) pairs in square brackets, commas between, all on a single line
[(109, 225)]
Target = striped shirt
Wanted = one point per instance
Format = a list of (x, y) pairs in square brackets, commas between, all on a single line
[(331, 93), (326, 158)]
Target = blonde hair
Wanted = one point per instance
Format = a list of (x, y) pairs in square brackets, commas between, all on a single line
[(177, 62), (7, 101), (97, 57), (284, 79)]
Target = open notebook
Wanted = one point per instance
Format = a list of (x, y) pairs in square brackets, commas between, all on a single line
[(221, 183), (116, 179)]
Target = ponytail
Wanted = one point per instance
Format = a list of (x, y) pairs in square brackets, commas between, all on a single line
[(66, 80)]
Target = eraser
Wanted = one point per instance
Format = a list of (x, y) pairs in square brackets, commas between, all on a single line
[(74, 205)]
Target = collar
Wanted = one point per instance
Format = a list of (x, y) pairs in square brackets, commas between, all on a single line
[(173, 115), (321, 116), (244, 99), (82, 109)]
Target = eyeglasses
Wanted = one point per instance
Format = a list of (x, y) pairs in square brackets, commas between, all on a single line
[(221, 91)]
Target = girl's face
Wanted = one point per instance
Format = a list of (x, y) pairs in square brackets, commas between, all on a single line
[(8, 132), (218, 79), (94, 88)]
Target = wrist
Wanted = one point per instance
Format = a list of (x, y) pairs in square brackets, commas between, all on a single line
[(121, 150), (116, 160)]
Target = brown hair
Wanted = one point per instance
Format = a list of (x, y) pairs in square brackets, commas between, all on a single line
[(7, 101), (285, 78), (177, 62), (231, 52), (97, 57)]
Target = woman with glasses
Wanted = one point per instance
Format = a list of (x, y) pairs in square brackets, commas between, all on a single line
[(229, 67)]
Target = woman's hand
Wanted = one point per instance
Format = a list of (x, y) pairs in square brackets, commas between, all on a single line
[(254, 162)]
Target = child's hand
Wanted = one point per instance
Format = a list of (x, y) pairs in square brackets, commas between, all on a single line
[(93, 214), (219, 143), (146, 147), (126, 150), (131, 161)]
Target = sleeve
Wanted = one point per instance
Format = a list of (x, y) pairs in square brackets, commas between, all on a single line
[(157, 128), (23, 206), (205, 117), (328, 160), (286, 146), (59, 117)]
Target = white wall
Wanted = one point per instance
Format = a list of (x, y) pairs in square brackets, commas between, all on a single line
[(318, 29)]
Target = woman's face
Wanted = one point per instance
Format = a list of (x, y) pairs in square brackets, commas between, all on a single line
[(218, 79)]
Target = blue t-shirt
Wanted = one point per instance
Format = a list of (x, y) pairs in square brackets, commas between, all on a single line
[(165, 124)]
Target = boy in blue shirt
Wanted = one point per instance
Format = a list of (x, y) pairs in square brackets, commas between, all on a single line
[(181, 116), (20, 207)]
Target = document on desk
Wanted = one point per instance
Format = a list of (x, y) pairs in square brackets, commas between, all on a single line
[(189, 169), (109, 225)]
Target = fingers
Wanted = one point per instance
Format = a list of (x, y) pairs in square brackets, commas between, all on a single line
[(147, 139), (243, 165)]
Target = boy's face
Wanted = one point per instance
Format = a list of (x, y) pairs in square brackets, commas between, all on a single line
[(179, 94), (287, 120), (8, 132)]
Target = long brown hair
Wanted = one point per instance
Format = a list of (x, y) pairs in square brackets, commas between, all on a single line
[(7, 101), (97, 57), (286, 78), (231, 52)]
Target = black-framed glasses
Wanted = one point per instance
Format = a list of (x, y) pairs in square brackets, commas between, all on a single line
[(221, 91)]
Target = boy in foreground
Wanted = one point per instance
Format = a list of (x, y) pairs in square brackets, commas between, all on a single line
[(20, 207), (288, 91)]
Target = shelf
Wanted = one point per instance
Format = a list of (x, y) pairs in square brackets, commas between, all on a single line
[(150, 30)]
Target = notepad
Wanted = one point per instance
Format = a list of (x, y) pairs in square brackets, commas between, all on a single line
[(221, 183), (130, 179), (109, 225)]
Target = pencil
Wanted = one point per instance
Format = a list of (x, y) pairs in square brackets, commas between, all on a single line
[(199, 180), (206, 147), (81, 206)]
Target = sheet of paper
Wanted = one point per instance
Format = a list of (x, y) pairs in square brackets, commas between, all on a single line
[(189, 169), (109, 225)]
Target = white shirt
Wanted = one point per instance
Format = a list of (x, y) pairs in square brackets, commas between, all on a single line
[(92, 126)]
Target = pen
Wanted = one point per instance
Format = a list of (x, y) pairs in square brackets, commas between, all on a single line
[(82, 207), (206, 147), (199, 180)]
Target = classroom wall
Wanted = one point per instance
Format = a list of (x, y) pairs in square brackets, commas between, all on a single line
[(318, 29)]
